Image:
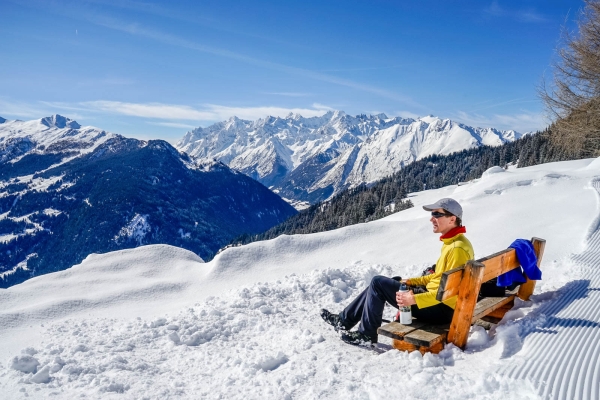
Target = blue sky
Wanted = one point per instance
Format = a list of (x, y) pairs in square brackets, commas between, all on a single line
[(150, 69)]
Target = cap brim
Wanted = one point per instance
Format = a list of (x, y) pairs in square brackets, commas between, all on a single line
[(431, 207)]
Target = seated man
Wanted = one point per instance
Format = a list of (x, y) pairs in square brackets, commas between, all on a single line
[(446, 217)]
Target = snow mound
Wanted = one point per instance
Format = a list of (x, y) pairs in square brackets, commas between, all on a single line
[(594, 165), (492, 171), (130, 279)]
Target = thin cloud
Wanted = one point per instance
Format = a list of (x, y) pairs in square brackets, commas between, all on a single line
[(362, 68), (76, 10), (522, 122), (522, 15), (149, 110), (173, 40), (208, 112), (204, 21), (502, 103), (172, 125), (407, 114), (16, 109), (320, 106), (530, 16), (289, 94)]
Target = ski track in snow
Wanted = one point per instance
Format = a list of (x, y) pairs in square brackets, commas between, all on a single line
[(561, 356)]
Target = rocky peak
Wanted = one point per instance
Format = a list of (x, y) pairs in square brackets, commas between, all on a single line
[(58, 121)]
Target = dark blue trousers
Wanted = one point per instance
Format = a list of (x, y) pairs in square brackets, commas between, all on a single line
[(368, 307)]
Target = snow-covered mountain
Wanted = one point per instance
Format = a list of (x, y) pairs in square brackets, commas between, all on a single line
[(156, 322), (49, 135), (311, 159)]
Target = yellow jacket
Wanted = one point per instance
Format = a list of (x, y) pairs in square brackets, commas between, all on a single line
[(456, 251)]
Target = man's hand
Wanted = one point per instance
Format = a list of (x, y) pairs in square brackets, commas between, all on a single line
[(405, 299)]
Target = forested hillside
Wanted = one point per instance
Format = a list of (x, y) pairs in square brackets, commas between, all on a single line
[(388, 195)]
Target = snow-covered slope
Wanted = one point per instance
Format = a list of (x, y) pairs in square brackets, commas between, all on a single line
[(311, 159), (156, 322), (47, 135)]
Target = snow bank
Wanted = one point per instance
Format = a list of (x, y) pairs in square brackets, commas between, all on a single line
[(127, 283)]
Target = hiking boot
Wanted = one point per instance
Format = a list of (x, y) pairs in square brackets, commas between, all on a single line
[(333, 319), (358, 338)]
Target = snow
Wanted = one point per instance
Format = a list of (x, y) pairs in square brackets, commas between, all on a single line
[(22, 265), (157, 322), (136, 229), (49, 134)]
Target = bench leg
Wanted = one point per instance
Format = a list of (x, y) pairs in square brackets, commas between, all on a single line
[(526, 289), (465, 304)]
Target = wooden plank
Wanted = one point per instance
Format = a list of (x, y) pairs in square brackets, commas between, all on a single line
[(465, 304), (404, 346), (449, 283), (396, 330), (499, 263), (526, 289), (490, 319), (427, 336), (500, 312), (490, 304)]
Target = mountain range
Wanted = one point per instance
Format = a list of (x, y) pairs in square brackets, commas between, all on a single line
[(67, 191), (307, 160)]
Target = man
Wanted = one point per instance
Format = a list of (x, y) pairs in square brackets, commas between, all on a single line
[(446, 217)]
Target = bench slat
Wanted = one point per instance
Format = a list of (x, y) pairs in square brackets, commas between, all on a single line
[(499, 263), (428, 335), (449, 283), (396, 330), (489, 304)]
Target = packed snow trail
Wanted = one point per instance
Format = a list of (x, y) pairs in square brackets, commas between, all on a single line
[(561, 356)]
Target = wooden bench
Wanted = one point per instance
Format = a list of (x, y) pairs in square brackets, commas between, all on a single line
[(464, 282)]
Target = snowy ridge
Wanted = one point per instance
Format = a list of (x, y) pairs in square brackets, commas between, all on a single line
[(332, 152), (47, 135), (246, 324)]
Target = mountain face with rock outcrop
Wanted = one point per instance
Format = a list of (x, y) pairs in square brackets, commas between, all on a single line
[(67, 191), (312, 159)]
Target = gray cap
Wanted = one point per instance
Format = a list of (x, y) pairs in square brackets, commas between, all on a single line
[(447, 204)]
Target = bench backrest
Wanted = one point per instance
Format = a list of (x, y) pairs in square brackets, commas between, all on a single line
[(493, 266)]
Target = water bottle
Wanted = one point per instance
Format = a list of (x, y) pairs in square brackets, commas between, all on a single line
[(405, 313)]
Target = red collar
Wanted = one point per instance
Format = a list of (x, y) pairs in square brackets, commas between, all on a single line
[(453, 232)]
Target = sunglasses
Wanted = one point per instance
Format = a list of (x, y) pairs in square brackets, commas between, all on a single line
[(437, 214)]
